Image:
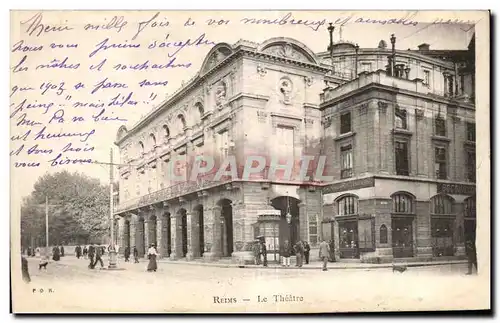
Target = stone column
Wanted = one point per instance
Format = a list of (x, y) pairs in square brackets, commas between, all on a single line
[(211, 219), (139, 235), (159, 231), (242, 235), (146, 235), (303, 227), (195, 233), (133, 230), (121, 234), (174, 255), (189, 255)]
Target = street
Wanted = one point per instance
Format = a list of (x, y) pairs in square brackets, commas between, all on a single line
[(69, 286)]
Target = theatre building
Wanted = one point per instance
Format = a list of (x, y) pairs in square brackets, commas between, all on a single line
[(396, 127)]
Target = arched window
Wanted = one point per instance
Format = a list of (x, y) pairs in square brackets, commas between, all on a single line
[(182, 120), (441, 204), (166, 132), (347, 205), (402, 203), (470, 207), (152, 139), (383, 234), (141, 148), (200, 108)]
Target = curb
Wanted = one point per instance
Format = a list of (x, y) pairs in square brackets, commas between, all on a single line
[(319, 267)]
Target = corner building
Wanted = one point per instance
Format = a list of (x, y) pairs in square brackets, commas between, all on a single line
[(398, 139)]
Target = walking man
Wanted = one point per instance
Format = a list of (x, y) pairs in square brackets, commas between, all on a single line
[(263, 251), (136, 255), (307, 249), (91, 256), (78, 251), (299, 253), (126, 253), (324, 252), (98, 257)]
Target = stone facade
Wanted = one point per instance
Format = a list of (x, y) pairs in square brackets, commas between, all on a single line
[(269, 100)]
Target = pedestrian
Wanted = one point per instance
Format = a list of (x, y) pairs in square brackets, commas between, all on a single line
[(332, 251), (470, 250), (299, 253), (62, 251), (85, 252), (28, 252), (256, 252), (307, 249), (324, 253), (126, 253), (98, 257), (285, 254), (55, 254), (78, 251), (136, 255), (263, 252), (25, 271), (91, 251), (38, 254), (152, 254)]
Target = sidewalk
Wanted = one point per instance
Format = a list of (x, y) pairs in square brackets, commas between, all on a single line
[(315, 264)]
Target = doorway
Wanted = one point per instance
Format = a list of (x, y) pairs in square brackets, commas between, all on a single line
[(402, 237)]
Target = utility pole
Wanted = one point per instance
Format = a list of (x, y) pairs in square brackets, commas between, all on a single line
[(112, 251), (47, 226)]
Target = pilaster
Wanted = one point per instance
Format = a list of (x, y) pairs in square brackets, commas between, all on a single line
[(175, 237), (211, 219), (189, 221)]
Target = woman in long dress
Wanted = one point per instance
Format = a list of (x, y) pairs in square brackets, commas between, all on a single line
[(152, 254), (55, 254)]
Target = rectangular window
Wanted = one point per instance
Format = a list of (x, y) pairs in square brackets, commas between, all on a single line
[(427, 77), (313, 230), (346, 161), (471, 165), (401, 151), (345, 123), (471, 131), (440, 126), (285, 141), (440, 162), (401, 118)]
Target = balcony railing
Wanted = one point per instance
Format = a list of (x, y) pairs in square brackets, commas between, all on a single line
[(203, 182)]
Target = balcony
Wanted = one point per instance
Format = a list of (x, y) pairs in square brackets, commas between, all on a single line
[(381, 77)]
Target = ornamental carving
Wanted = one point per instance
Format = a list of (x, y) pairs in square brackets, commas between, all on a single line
[(220, 95), (262, 71), (382, 106), (363, 109), (327, 122), (286, 51), (286, 88), (309, 80), (215, 59)]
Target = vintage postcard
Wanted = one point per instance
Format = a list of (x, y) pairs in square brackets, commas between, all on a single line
[(249, 161)]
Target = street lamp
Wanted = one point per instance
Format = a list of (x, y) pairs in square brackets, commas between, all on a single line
[(331, 28), (288, 215)]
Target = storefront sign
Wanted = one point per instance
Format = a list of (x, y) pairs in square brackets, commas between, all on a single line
[(456, 189), (349, 186)]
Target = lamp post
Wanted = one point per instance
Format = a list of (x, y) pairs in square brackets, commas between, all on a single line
[(331, 28), (393, 54), (112, 251), (356, 48)]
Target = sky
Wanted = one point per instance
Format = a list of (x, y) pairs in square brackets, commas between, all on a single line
[(76, 84)]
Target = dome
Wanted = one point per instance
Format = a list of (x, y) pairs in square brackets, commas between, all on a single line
[(382, 44)]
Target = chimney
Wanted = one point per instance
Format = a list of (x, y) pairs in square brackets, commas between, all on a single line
[(423, 47)]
